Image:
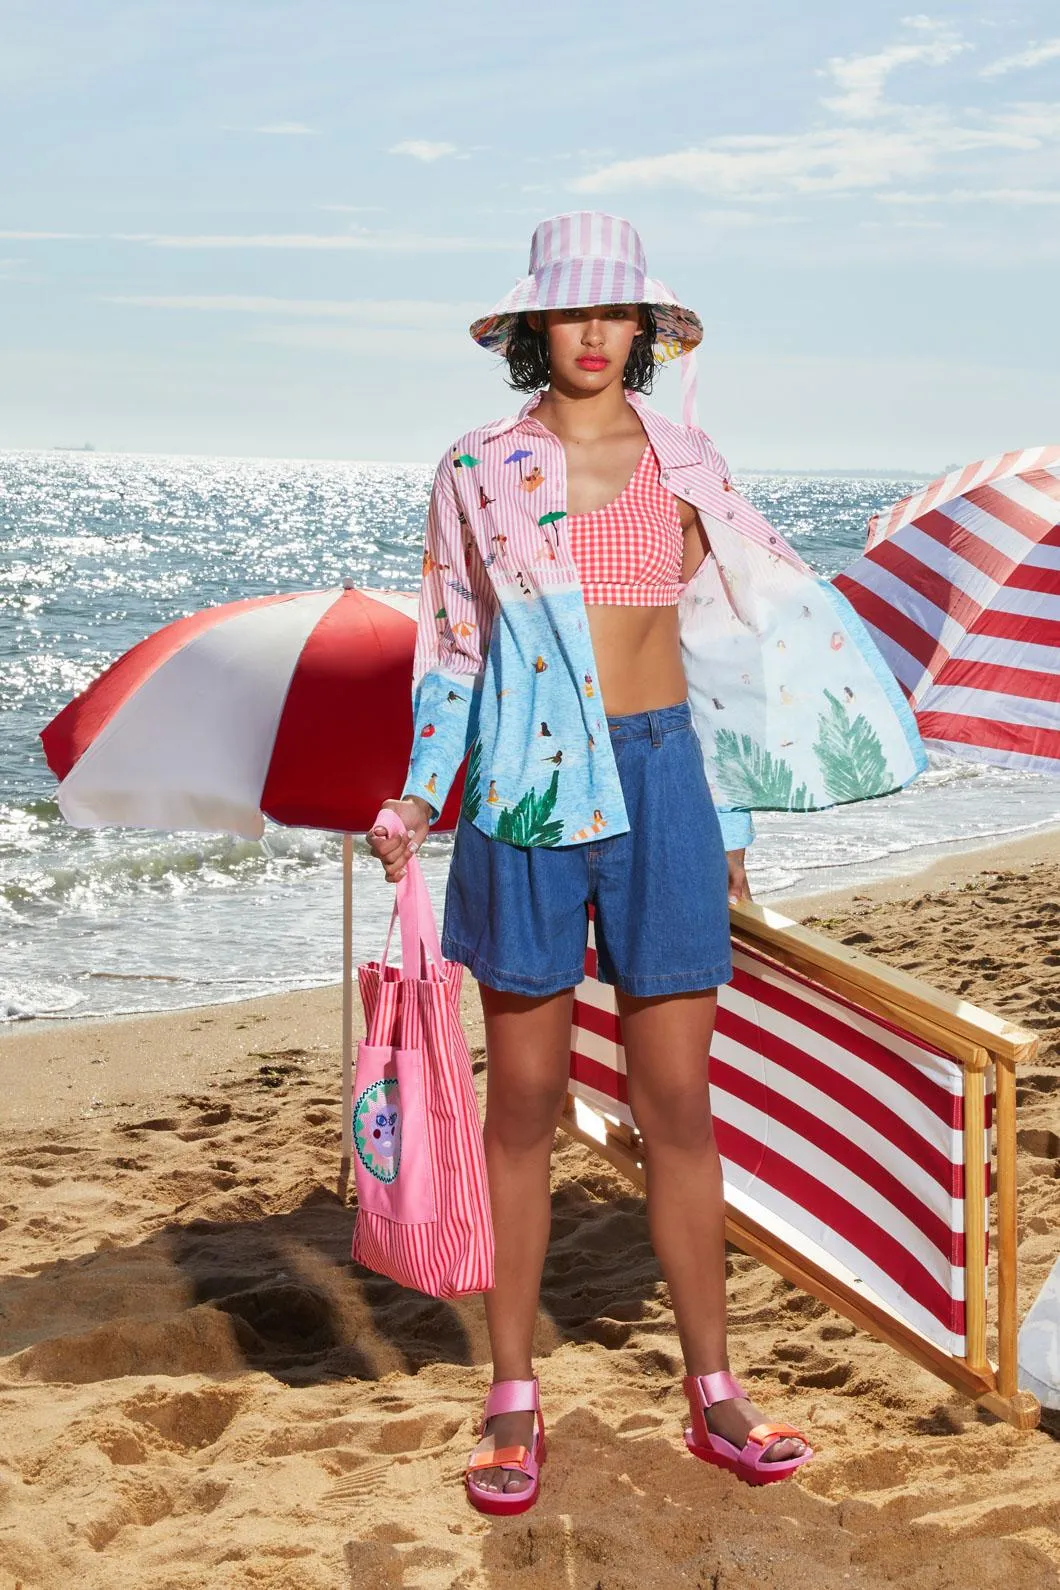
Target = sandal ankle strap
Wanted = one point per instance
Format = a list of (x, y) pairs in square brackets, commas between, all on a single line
[(715, 1387), (512, 1396)]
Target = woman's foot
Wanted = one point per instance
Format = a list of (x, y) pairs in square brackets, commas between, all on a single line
[(735, 1417), (730, 1432), (505, 1430), (503, 1472)]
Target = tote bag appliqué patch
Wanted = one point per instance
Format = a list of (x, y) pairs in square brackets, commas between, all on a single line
[(377, 1129)]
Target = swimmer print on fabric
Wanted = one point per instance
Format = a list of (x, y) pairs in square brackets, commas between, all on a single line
[(791, 702), (377, 1129), (805, 743)]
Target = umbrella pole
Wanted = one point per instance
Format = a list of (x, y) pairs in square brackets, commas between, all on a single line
[(347, 1012)]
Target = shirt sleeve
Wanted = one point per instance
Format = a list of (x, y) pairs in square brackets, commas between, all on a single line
[(453, 630)]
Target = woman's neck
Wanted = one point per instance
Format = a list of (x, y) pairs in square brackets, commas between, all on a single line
[(586, 416)]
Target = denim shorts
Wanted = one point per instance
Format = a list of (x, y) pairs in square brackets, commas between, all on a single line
[(517, 916)]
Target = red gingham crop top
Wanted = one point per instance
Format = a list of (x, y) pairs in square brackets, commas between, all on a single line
[(630, 551)]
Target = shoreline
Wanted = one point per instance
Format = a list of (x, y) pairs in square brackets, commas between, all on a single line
[(90, 1067), (932, 868), (910, 870)]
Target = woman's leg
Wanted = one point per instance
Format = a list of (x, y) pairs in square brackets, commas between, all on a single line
[(667, 1041), (528, 1063)]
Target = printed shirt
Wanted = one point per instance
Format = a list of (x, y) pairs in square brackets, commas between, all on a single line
[(504, 663)]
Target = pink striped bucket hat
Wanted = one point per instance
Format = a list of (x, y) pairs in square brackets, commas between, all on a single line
[(585, 258)]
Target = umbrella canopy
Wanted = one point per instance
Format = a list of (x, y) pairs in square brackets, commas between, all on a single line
[(959, 586), (296, 707)]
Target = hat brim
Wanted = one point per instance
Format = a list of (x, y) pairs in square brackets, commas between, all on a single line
[(678, 330)]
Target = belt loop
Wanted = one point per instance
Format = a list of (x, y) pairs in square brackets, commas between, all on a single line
[(656, 731)]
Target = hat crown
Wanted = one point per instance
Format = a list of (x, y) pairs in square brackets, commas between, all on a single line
[(586, 234)]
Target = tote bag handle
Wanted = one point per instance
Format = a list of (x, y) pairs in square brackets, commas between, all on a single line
[(413, 910)]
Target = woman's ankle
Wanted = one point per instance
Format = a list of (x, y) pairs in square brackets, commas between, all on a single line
[(507, 1372), (707, 1364)]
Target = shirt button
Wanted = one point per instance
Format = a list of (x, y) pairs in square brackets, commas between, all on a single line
[(664, 474), (729, 514)]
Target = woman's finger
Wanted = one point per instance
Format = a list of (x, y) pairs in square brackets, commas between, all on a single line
[(387, 849)]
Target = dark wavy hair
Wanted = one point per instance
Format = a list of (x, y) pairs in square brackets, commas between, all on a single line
[(526, 355)]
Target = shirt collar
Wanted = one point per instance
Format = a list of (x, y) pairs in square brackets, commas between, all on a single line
[(514, 421), (672, 443)]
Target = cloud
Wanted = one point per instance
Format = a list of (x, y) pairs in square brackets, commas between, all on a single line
[(373, 312), (288, 129), (414, 342), (862, 78), (835, 160), (984, 196), (863, 144), (745, 218), (1035, 55), (421, 149), (276, 129), (381, 242)]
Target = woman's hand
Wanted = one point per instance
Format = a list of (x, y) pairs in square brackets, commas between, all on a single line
[(739, 888), (392, 851)]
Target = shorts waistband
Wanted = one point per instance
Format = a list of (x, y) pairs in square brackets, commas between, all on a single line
[(652, 724)]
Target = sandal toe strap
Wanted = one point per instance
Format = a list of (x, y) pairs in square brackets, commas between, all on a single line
[(505, 1457), (764, 1435)]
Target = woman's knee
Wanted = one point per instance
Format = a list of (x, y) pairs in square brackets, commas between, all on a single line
[(523, 1107), (528, 1065), (673, 1121)]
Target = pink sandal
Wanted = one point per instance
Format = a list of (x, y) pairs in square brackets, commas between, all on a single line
[(509, 1396), (748, 1462)]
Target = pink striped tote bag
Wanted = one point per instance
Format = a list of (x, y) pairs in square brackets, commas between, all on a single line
[(423, 1212)]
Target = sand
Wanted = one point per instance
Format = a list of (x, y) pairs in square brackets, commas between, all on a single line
[(197, 1389)]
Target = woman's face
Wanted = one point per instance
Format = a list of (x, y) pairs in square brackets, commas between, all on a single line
[(588, 348)]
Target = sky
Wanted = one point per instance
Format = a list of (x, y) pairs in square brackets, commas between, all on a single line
[(262, 228)]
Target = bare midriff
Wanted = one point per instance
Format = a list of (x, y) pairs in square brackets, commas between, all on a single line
[(638, 649), (638, 657)]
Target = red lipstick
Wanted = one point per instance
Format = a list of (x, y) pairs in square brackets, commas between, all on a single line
[(590, 361)]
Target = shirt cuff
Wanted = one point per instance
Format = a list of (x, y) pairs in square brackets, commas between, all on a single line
[(737, 829)]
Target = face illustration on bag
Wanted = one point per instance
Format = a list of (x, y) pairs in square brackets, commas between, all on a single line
[(377, 1129)]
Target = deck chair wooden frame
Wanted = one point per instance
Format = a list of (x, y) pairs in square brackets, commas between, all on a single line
[(973, 1038)]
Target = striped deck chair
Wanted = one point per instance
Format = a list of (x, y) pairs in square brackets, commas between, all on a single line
[(854, 1111)]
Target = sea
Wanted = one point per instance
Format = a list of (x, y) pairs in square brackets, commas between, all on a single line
[(98, 550)]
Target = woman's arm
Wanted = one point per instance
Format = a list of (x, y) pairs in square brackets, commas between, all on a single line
[(454, 625)]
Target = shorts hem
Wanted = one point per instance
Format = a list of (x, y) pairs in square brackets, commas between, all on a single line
[(507, 982), (646, 986)]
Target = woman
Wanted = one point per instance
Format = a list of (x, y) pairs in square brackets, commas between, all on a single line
[(570, 562)]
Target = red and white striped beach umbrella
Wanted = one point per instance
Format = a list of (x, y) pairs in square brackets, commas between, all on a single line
[(295, 707), (959, 586)]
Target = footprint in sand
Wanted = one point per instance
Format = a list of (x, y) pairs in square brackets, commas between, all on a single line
[(188, 1420), (1042, 1144)]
